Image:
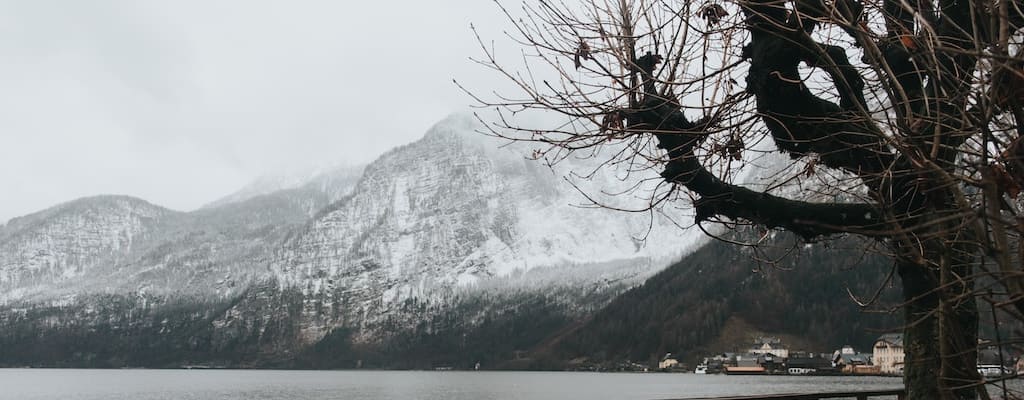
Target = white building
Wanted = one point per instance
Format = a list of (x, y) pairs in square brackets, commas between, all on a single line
[(770, 345), (667, 362), (888, 353)]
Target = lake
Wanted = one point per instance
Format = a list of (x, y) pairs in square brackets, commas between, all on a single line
[(134, 384)]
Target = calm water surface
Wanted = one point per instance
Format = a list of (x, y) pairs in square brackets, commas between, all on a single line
[(31, 384)]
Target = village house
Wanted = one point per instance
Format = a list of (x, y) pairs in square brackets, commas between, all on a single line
[(888, 353), (718, 363), (667, 362), (769, 345), (849, 361)]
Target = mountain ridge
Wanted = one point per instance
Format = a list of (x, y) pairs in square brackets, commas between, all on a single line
[(447, 228)]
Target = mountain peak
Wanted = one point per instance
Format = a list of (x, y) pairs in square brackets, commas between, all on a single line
[(455, 123), (85, 204)]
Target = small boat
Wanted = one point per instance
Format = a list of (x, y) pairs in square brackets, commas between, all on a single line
[(701, 369)]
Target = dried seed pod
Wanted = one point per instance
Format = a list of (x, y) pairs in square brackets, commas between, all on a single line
[(582, 53), (612, 121), (713, 13)]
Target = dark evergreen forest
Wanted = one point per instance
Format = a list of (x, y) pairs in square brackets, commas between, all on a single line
[(781, 287)]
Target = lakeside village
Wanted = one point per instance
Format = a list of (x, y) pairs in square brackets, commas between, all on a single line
[(768, 355)]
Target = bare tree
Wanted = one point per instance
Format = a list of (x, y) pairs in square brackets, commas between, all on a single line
[(901, 117)]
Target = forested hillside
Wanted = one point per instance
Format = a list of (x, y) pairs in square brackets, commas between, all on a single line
[(719, 296)]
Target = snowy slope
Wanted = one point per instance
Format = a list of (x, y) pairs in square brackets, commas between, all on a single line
[(119, 245), (430, 224), (449, 212), (57, 246)]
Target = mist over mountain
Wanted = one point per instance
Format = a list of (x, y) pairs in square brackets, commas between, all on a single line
[(332, 183)]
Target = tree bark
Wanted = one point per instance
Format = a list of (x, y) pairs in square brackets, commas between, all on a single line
[(940, 336), (921, 366)]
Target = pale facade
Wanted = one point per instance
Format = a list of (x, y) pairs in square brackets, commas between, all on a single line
[(888, 353), (771, 346), (668, 362)]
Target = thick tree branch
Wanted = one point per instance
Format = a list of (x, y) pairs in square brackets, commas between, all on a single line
[(801, 123), (809, 220), (718, 198)]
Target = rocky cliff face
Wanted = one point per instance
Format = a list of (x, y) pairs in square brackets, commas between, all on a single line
[(117, 245), (57, 247), (437, 218), (448, 227)]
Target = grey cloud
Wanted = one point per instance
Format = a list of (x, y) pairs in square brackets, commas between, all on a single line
[(180, 102)]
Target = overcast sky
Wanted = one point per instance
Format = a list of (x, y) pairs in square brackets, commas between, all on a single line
[(180, 102)]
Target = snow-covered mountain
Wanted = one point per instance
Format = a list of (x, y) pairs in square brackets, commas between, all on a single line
[(444, 214), (425, 229), (77, 239)]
